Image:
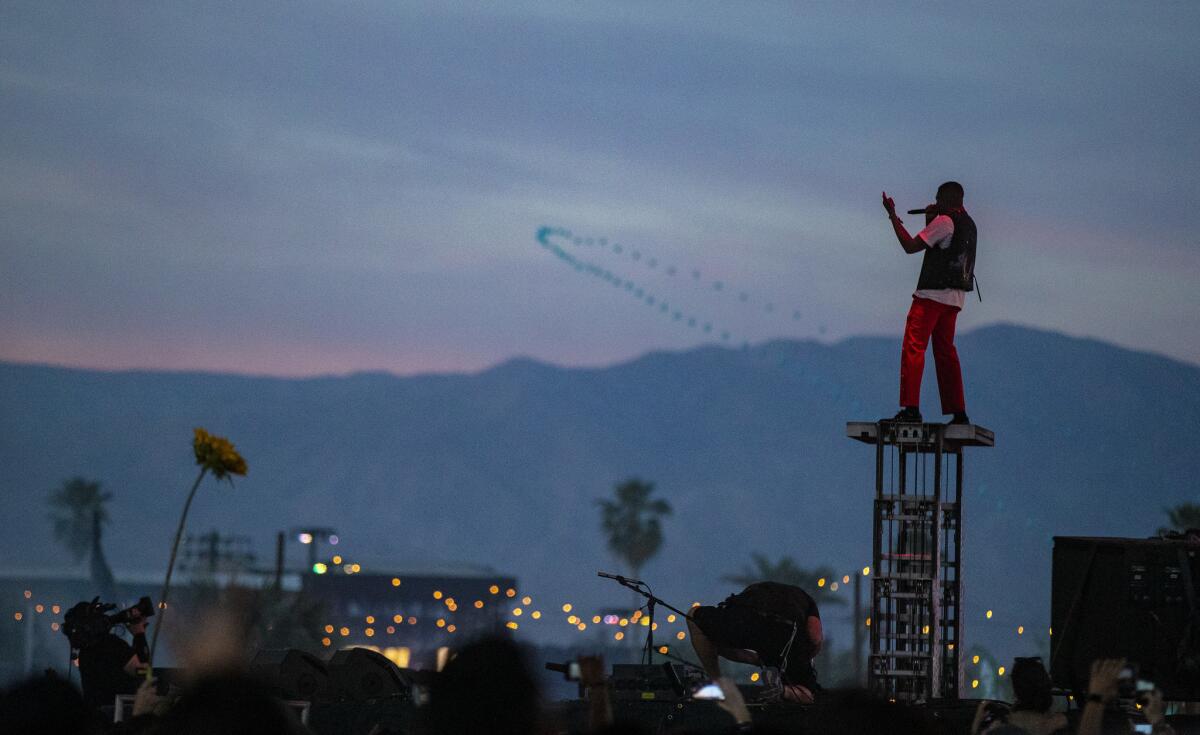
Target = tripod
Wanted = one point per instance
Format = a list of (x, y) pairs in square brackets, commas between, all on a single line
[(644, 590)]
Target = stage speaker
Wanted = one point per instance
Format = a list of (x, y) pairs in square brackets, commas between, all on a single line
[(292, 674), (360, 674), (1126, 598)]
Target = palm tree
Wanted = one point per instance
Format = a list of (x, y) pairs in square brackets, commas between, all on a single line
[(1182, 517), (632, 523), (78, 511), (787, 571)]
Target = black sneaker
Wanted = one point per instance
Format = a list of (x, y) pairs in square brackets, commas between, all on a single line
[(908, 415), (960, 418)]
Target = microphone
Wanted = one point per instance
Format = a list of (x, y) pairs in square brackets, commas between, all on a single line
[(619, 578), (918, 211)]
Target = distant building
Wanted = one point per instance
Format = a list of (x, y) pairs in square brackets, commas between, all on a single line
[(415, 616)]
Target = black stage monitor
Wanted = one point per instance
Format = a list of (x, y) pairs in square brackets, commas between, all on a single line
[(1126, 598)]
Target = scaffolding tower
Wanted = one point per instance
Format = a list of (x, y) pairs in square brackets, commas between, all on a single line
[(917, 581)]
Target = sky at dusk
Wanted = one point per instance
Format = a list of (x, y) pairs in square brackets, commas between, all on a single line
[(309, 188)]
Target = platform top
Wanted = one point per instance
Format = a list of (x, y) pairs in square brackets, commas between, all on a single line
[(955, 435)]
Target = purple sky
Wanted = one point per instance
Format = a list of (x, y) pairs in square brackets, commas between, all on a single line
[(310, 188)]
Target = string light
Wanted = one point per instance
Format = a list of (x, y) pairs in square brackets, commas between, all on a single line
[(536, 614)]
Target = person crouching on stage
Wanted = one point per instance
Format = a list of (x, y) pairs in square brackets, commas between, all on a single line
[(769, 624)]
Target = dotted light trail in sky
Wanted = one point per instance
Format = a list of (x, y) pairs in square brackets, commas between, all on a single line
[(564, 245)]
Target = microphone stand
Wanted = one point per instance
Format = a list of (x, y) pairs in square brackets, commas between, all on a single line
[(652, 600)]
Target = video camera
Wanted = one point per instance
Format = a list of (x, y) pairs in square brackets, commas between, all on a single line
[(87, 623)]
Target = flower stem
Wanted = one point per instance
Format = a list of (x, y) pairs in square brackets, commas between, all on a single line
[(162, 598)]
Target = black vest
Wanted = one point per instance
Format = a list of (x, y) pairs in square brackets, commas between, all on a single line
[(954, 266)]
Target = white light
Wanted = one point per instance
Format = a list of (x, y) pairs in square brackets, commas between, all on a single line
[(305, 538), (333, 539)]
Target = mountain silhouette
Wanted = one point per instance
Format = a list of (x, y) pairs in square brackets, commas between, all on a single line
[(503, 467)]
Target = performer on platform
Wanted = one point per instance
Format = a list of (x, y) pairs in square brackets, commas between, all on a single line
[(769, 624), (947, 274)]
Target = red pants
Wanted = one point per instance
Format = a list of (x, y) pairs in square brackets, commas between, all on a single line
[(927, 318)]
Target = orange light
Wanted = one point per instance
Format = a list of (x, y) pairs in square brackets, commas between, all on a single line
[(370, 619), (754, 676), (344, 632), (479, 604), (55, 609), (671, 618), (596, 619), (450, 628), (441, 622), (328, 628), (398, 619), (39, 607), (326, 642), (536, 614), (510, 592), (437, 594), (28, 594), (572, 619), (512, 625), (663, 650), (391, 629), (582, 626), (846, 579), (517, 611), (567, 607), (17, 616), (618, 635), (395, 581), (370, 632), (412, 621), (681, 635), (494, 589), (526, 600)]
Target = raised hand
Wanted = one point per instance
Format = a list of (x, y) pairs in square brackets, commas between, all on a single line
[(888, 205)]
